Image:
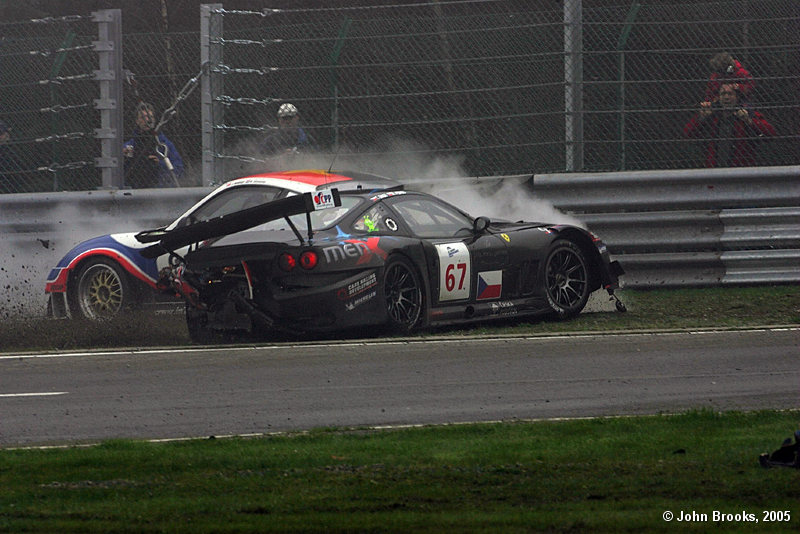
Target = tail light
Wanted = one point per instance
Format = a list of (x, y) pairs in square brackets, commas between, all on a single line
[(308, 259), (287, 262)]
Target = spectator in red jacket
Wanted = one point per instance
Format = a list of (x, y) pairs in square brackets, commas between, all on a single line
[(726, 69), (732, 130)]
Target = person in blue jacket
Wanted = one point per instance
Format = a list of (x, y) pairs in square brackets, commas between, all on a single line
[(289, 137), (151, 159)]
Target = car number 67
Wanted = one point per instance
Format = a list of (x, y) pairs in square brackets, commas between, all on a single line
[(454, 271), (450, 278)]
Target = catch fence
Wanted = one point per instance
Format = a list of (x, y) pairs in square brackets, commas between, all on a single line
[(460, 87), (502, 87), (48, 87)]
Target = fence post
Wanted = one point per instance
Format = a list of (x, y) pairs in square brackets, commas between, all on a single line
[(110, 78), (573, 84), (622, 43), (211, 85)]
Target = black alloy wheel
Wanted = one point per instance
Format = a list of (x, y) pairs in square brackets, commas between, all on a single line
[(566, 279), (402, 291)]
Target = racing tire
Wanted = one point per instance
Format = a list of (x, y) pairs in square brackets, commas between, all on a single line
[(402, 291), (566, 279), (100, 291)]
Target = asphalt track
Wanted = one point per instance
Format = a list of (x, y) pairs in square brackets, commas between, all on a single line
[(198, 392)]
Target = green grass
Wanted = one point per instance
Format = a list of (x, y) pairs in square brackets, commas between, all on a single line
[(651, 309), (683, 309), (595, 475)]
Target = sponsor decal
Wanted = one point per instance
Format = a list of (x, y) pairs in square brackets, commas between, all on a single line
[(454, 271), (490, 285), (357, 287), (323, 200), (360, 300), (505, 236), (504, 307), (391, 225), (354, 248)]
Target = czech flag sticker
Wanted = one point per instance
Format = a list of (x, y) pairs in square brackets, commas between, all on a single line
[(490, 285)]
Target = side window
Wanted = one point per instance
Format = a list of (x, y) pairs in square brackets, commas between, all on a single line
[(428, 218), (375, 220)]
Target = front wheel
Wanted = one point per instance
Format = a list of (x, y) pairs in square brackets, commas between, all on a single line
[(101, 290), (402, 290), (566, 277)]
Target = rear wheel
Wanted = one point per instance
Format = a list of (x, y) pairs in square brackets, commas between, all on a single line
[(101, 290), (566, 279), (402, 290)]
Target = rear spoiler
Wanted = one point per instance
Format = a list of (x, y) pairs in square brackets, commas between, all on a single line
[(169, 241)]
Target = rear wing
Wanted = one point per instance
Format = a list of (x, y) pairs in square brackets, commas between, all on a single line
[(169, 241)]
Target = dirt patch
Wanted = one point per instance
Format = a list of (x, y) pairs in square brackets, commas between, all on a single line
[(131, 330)]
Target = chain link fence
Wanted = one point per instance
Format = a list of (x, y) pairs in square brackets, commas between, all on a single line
[(505, 87), (48, 117), (485, 87), (158, 67), (49, 83)]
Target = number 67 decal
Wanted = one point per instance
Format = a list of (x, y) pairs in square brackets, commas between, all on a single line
[(454, 271)]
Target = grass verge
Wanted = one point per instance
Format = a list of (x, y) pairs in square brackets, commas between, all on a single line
[(594, 475), (647, 309)]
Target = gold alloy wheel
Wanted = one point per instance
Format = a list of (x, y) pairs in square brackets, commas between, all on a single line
[(100, 292)]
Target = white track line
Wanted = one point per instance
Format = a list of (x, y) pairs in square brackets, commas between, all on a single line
[(391, 341), (42, 394)]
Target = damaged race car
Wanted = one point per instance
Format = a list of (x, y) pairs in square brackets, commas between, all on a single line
[(335, 260), (107, 275)]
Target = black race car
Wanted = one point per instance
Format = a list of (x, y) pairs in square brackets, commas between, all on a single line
[(338, 259)]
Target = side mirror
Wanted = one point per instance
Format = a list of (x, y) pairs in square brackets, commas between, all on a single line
[(480, 224)]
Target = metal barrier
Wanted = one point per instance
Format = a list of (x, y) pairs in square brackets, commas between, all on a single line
[(690, 227), (682, 228)]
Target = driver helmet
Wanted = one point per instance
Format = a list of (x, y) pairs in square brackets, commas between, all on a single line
[(287, 110)]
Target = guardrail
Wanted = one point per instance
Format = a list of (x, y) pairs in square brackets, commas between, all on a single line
[(700, 227), (703, 227)]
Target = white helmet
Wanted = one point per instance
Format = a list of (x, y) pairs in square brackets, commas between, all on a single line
[(287, 110)]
